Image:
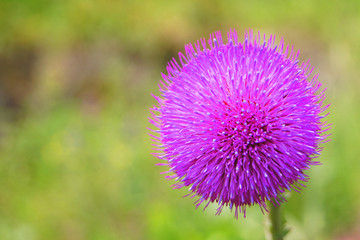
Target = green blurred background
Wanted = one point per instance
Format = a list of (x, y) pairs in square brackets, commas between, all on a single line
[(75, 84)]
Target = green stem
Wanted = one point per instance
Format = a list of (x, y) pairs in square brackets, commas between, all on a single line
[(277, 223)]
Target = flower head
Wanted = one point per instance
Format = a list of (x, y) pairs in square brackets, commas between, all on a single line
[(239, 122)]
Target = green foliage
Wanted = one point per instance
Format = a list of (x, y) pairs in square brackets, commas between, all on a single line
[(75, 83)]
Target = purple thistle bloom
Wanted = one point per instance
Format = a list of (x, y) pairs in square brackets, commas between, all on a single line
[(239, 122)]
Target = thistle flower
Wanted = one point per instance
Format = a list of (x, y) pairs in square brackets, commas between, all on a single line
[(239, 123)]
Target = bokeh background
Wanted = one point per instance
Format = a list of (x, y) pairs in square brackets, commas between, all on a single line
[(75, 84)]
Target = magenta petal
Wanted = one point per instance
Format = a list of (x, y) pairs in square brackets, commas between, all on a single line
[(239, 122)]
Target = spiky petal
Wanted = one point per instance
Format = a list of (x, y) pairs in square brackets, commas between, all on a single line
[(239, 122)]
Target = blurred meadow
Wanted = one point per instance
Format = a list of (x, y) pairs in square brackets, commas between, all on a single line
[(75, 84)]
